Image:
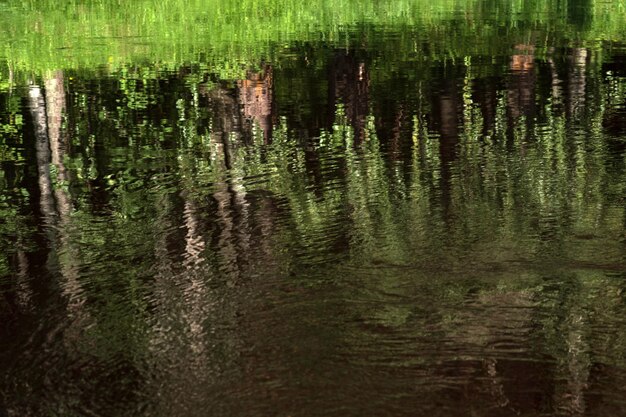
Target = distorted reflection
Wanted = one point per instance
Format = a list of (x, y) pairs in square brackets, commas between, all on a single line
[(322, 236)]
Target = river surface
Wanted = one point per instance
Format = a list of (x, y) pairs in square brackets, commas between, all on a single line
[(369, 225)]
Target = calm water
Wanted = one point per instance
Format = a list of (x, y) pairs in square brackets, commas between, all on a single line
[(370, 224)]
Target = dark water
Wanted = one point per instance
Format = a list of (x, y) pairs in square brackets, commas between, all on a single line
[(346, 230)]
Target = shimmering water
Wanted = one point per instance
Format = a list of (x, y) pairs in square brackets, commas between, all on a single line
[(408, 216)]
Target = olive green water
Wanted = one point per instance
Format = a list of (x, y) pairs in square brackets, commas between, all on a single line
[(341, 208)]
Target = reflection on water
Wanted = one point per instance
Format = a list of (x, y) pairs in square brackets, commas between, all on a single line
[(333, 234)]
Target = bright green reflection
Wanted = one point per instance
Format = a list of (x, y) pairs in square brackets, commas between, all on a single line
[(46, 35)]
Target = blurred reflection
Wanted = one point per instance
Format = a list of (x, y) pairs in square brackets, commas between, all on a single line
[(255, 95), (522, 82), (442, 241), (349, 85)]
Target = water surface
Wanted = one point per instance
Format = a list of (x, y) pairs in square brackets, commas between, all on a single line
[(403, 210)]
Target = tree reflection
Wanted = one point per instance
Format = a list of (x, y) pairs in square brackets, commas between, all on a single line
[(461, 226)]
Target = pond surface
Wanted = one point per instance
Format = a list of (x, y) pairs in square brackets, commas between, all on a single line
[(400, 216)]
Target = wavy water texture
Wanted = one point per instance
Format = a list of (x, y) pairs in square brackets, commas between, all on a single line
[(252, 208)]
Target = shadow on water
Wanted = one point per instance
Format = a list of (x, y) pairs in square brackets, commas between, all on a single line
[(580, 13)]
